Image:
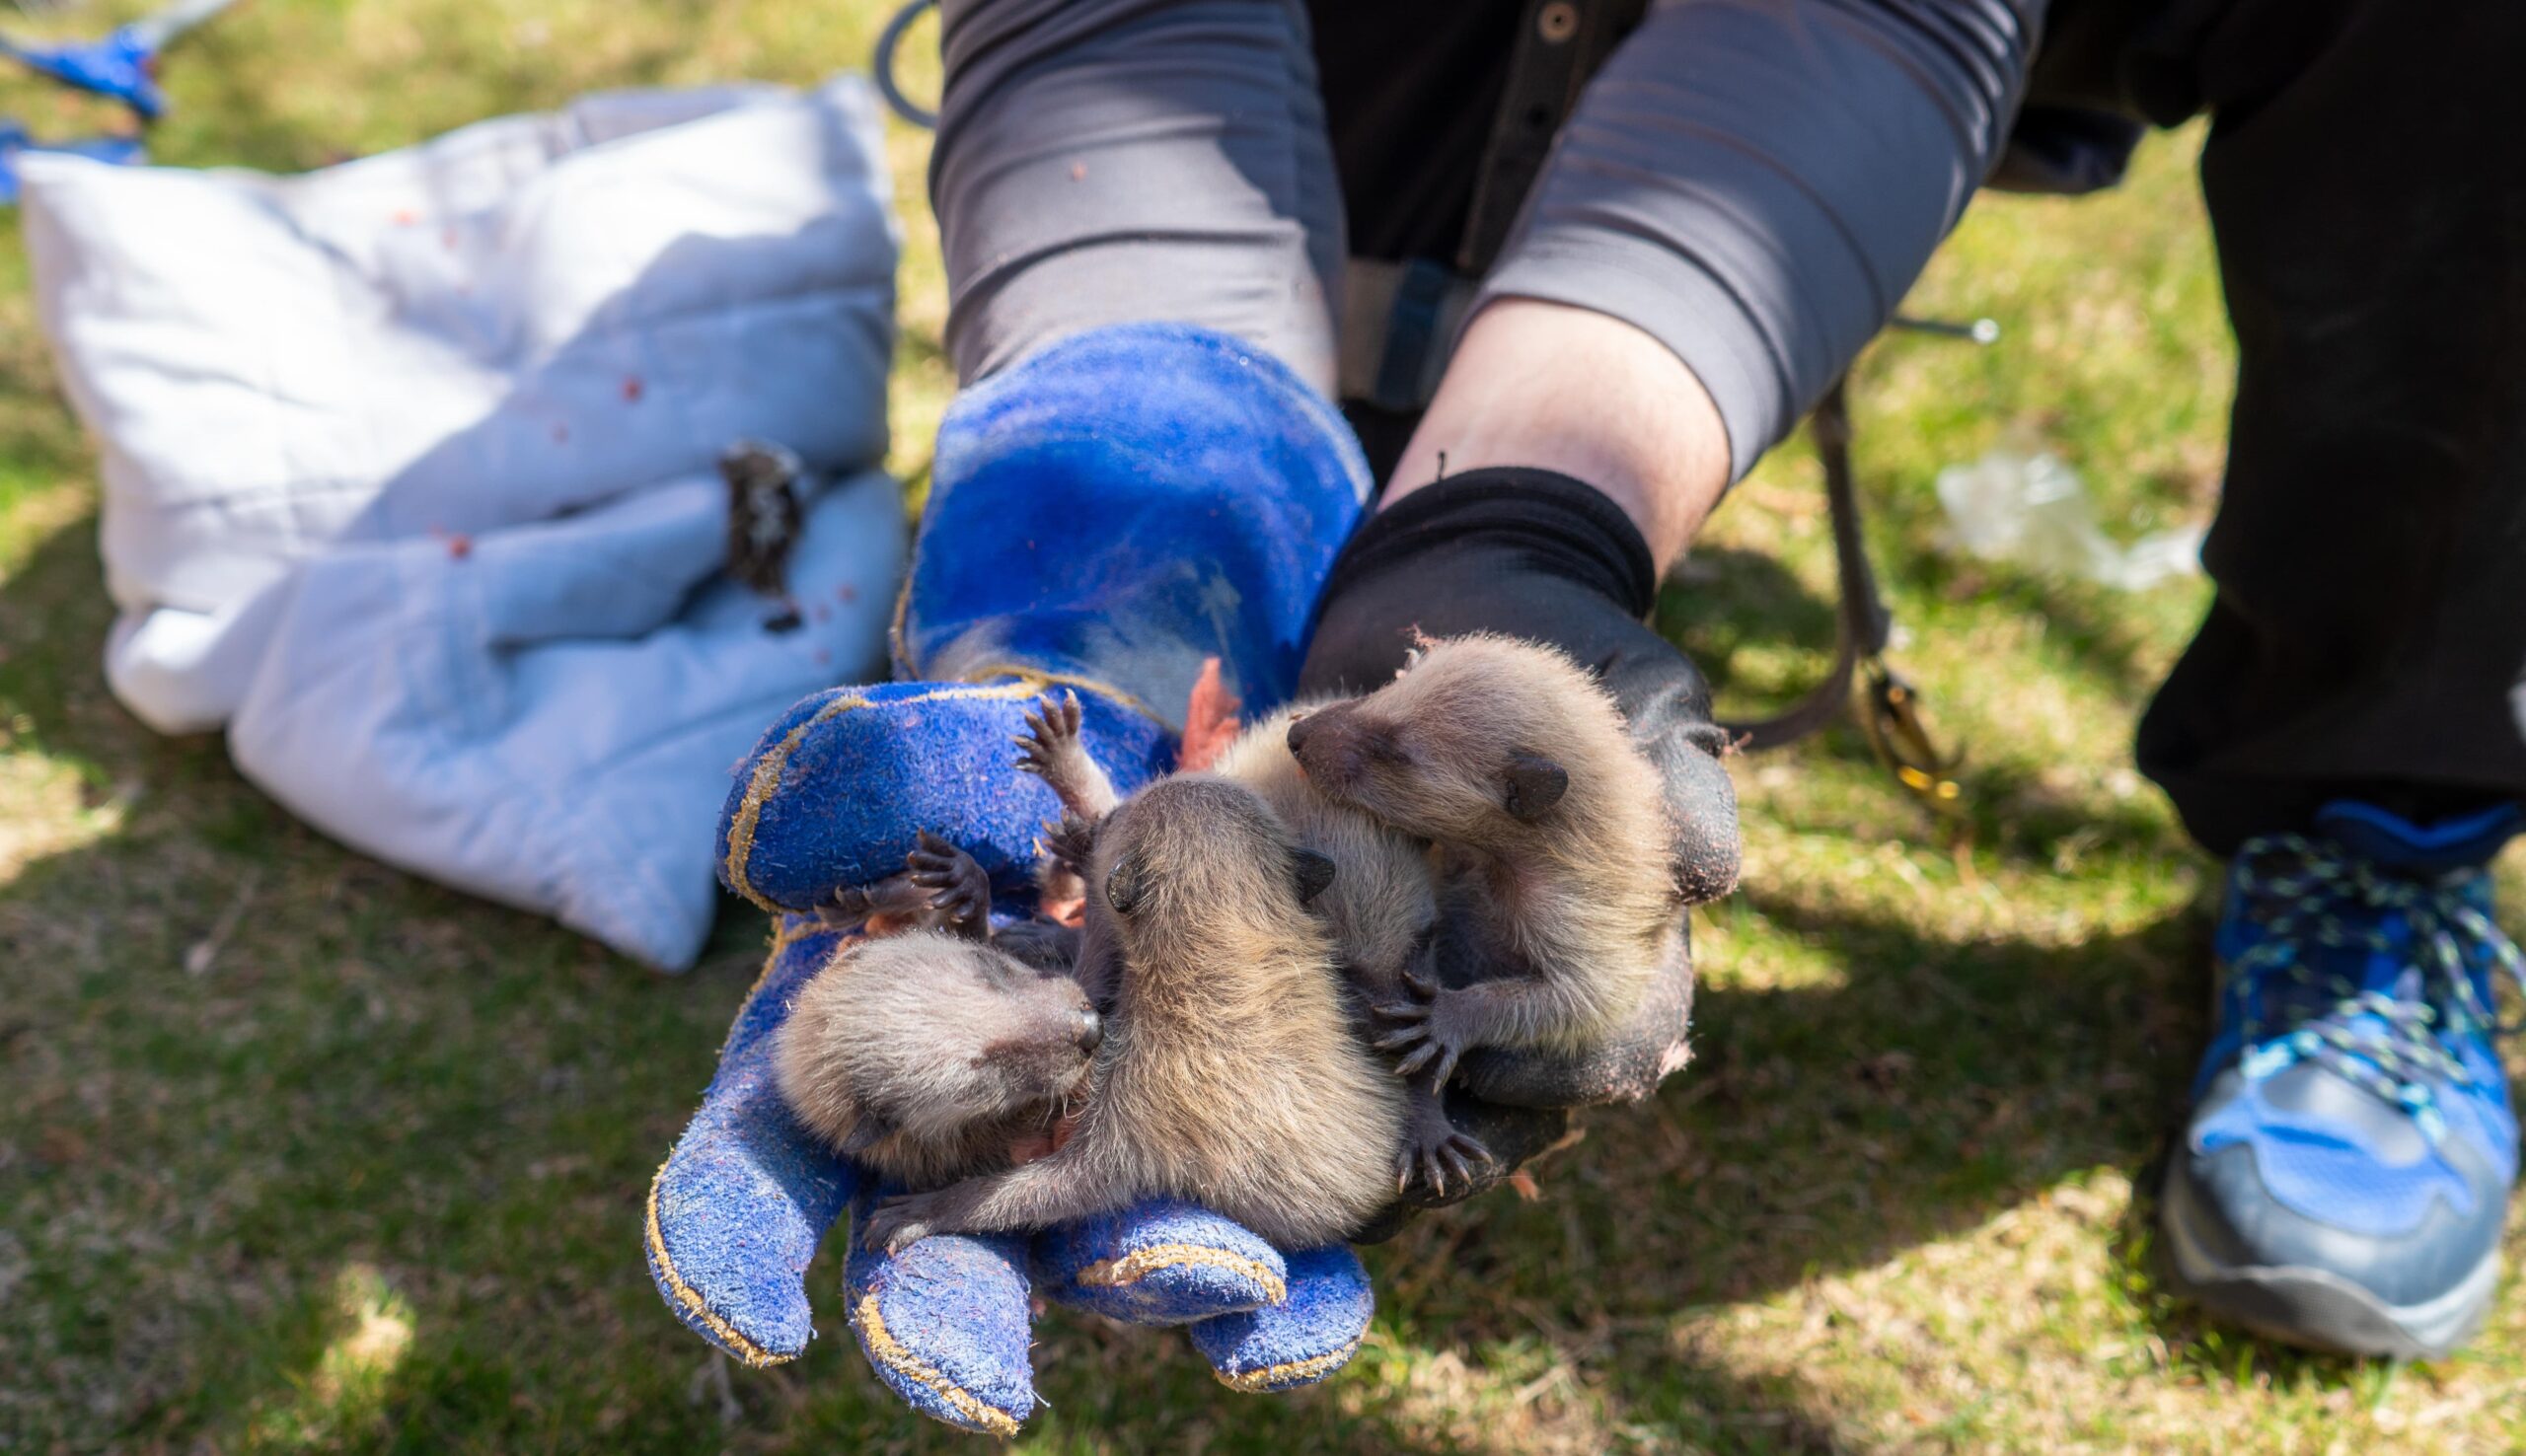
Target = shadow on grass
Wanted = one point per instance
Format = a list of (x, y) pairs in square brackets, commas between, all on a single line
[(1736, 600)]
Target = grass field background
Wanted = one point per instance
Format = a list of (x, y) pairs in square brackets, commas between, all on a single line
[(367, 1173)]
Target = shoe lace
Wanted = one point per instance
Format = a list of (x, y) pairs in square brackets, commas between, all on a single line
[(2309, 895)]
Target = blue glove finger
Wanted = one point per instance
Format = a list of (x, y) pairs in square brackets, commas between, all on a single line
[(834, 792), (738, 1208), (946, 1324), (1303, 1339), (1159, 1262)]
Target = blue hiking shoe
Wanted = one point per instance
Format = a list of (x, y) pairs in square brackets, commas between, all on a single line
[(2347, 1168)]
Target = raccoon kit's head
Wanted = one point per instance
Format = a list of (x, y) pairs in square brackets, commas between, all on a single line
[(1197, 850), (925, 1036), (1469, 741)]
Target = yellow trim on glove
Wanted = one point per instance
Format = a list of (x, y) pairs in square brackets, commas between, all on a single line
[(1096, 687), (1139, 1263), (883, 1346), (1274, 1377), (1028, 682), (690, 1298), (767, 773)]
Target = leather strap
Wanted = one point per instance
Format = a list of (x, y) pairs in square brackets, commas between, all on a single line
[(1862, 623)]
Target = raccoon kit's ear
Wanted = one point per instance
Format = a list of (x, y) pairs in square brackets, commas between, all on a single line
[(1126, 884), (1535, 784), (871, 1129), (1313, 871)]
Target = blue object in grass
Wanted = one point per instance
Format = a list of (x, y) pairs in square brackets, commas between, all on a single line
[(1105, 515), (123, 67), (118, 151)]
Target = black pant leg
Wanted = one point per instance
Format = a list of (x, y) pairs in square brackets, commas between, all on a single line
[(2367, 180)]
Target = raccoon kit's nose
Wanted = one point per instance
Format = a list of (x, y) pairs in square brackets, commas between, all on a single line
[(1299, 728), (1090, 1031), (1306, 726)]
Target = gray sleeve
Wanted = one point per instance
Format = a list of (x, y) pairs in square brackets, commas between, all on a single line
[(1756, 183), (1115, 161)]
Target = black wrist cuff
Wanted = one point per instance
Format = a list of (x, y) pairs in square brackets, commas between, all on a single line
[(1552, 523)]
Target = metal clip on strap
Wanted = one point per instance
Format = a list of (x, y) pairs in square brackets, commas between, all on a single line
[(1891, 717)]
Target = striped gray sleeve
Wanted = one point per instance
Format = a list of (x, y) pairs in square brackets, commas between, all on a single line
[(1114, 161), (1756, 183)]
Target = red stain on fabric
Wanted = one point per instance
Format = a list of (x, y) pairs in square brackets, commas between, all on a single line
[(632, 388)]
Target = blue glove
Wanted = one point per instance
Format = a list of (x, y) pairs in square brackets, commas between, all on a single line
[(1104, 516)]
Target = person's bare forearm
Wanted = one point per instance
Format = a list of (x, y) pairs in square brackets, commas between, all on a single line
[(1584, 393)]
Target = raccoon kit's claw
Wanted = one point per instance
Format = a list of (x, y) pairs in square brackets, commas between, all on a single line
[(1432, 1052), (850, 907), (897, 1224), (1429, 1034), (1071, 842), (1450, 1162), (1424, 997), (959, 888), (861, 905), (1052, 730), (1438, 1152)]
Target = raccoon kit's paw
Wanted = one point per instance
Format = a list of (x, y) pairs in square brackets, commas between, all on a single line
[(1052, 737), (1062, 851), (958, 888), (899, 1223), (1433, 1028), (849, 906), (1070, 843), (1435, 1152), (886, 906)]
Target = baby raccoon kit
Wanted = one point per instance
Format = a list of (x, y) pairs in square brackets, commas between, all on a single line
[(1249, 1015)]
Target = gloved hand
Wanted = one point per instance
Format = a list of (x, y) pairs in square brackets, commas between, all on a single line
[(1535, 555), (1104, 516)]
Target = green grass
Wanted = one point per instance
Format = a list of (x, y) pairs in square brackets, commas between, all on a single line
[(371, 1179)]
